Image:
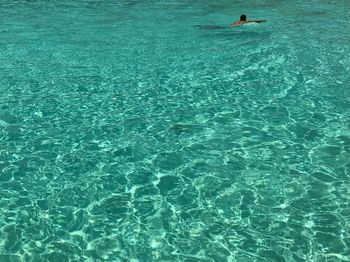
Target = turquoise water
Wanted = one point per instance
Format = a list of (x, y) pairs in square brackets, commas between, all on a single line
[(129, 133)]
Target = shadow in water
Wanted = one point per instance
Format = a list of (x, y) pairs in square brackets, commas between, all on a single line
[(211, 27), (251, 35), (235, 32)]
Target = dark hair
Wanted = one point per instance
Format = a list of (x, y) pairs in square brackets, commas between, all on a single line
[(243, 18)]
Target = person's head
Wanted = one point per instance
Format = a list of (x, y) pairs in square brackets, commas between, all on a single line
[(243, 18)]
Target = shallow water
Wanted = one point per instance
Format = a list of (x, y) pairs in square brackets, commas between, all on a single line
[(131, 132)]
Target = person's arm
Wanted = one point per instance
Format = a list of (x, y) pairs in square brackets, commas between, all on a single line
[(257, 21)]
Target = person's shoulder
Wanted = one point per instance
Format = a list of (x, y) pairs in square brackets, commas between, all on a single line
[(237, 23)]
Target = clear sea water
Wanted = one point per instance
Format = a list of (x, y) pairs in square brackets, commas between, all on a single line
[(150, 131)]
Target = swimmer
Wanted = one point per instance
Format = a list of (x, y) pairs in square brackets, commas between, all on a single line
[(243, 20)]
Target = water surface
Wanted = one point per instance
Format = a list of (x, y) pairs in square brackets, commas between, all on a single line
[(130, 133)]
